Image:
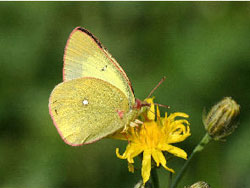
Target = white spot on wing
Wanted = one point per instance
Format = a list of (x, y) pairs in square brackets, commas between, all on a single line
[(85, 102)]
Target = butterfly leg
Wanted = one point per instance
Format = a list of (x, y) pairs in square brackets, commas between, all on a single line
[(136, 123), (131, 124)]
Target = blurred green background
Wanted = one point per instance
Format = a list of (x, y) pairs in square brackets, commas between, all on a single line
[(203, 48)]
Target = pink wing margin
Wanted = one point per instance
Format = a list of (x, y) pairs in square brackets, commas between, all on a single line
[(102, 48)]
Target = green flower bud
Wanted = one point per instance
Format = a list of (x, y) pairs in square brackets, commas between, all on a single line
[(200, 184), (140, 184), (222, 119)]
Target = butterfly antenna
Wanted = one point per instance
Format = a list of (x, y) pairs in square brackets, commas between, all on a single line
[(153, 90), (162, 105)]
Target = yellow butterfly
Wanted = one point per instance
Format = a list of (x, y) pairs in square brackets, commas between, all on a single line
[(95, 98)]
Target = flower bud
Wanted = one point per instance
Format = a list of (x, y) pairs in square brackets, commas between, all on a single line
[(222, 119), (140, 184), (200, 184)]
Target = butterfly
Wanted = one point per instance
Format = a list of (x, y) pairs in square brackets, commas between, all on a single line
[(95, 98)]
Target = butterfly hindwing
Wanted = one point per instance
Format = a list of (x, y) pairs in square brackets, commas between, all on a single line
[(85, 110)]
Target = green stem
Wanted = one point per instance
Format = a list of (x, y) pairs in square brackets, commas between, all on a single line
[(198, 148), (155, 179), (170, 179)]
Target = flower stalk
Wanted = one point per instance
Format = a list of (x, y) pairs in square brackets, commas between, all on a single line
[(154, 177), (170, 179), (204, 141)]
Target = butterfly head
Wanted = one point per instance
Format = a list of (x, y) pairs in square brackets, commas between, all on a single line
[(139, 104)]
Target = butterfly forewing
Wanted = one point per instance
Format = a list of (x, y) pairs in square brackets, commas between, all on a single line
[(85, 57), (85, 110)]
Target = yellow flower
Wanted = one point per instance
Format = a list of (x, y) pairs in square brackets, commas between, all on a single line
[(154, 137)]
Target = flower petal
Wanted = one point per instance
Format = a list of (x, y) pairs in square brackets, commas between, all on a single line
[(158, 115), (156, 157), (179, 114), (131, 167), (151, 111), (146, 166), (175, 151), (119, 155), (159, 158), (179, 135), (132, 152)]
